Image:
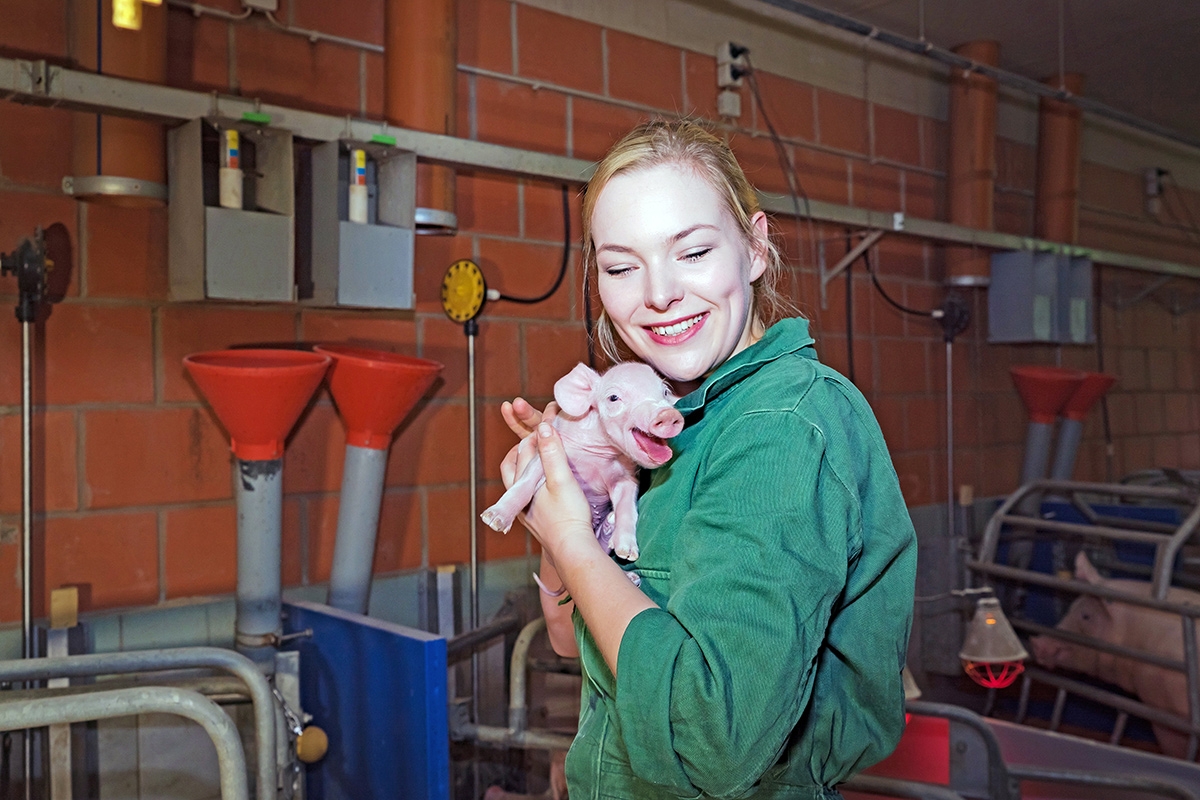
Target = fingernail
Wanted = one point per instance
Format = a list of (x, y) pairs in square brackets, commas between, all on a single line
[(544, 430)]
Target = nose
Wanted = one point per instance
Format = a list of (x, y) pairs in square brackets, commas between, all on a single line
[(663, 288), (667, 423)]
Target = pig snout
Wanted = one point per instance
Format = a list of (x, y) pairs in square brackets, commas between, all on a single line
[(1046, 650), (667, 423)]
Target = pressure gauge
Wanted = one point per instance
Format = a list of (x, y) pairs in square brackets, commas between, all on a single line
[(463, 291)]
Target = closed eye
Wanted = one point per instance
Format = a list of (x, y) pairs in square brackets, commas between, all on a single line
[(618, 271), (696, 255)]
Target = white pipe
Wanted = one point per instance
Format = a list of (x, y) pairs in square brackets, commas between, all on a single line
[(357, 528), (259, 583)]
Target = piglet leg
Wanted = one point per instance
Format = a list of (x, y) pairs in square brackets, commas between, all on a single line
[(500, 516), (624, 500)]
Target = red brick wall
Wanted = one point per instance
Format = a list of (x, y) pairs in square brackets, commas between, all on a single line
[(134, 494)]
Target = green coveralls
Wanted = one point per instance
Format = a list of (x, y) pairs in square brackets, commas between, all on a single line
[(778, 548)]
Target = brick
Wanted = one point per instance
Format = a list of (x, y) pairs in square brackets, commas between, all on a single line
[(935, 144), (497, 357), (113, 558), (1132, 367), (841, 121), (315, 453), (595, 127), (822, 176), (363, 21), (153, 456), (1135, 453), (915, 471), (966, 420), (11, 600), (1189, 451), (34, 28), (1016, 165), (432, 257), (700, 75), (904, 366), (35, 146), (1180, 412), (926, 428), (127, 252), (200, 555), (520, 116), (1166, 451), (194, 328), (1110, 188), (488, 204), (289, 69), (431, 448), (889, 413), (1013, 213), (897, 136), (55, 474), (644, 71), (528, 270), (398, 544), (197, 51), (832, 350), (924, 196), (544, 215), (1151, 414), (1001, 472), (551, 351), (760, 161), (902, 256), (485, 34), (876, 186), (449, 527), (559, 49), (789, 105), (1161, 363), (98, 354), (388, 331)]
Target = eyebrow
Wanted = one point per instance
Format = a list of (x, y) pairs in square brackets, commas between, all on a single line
[(683, 234)]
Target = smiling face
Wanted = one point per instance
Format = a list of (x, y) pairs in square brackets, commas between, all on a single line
[(674, 270)]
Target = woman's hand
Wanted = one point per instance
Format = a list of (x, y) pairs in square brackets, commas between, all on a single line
[(523, 418), (560, 515)]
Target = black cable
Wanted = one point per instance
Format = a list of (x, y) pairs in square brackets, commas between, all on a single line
[(866, 256), (562, 272), (588, 324), (849, 314)]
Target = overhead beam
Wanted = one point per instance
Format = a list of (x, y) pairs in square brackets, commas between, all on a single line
[(41, 83)]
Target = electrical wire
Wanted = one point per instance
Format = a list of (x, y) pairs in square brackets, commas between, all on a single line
[(566, 256), (849, 314), (932, 314)]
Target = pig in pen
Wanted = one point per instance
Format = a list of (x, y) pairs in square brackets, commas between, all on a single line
[(1137, 635)]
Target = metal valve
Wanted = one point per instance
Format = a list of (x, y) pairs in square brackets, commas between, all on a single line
[(30, 265)]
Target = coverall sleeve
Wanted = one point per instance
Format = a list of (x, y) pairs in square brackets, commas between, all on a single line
[(709, 689)]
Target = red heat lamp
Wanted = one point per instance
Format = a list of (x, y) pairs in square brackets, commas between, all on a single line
[(992, 654)]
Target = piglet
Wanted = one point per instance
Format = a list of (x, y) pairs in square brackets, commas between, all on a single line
[(1142, 629), (610, 424)]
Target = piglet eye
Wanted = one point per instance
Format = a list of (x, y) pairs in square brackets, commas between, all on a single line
[(612, 398)]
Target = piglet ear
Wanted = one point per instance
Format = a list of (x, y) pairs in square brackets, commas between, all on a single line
[(1085, 571), (573, 391)]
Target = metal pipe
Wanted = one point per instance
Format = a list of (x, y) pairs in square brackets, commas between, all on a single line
[(259, 583), (1070, 432), (950, 532), (231, 760), (473, 511), (897, 787), (518, 665), (1136, 783), (27, 524), (172, 658), (528, 740), (469, 641), (357, 528)]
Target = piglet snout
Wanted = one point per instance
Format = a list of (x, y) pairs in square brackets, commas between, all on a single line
[(667, 423)]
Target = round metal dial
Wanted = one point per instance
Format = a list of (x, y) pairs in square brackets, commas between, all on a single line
[(463, 290)]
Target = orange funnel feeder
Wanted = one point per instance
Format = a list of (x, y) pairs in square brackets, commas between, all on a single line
[(1093, 387), (1045, 390), (257, 394), (374, 390)]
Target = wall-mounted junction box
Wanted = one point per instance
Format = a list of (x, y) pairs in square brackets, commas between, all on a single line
[(1040, 297), (231, 240), (358, 249)]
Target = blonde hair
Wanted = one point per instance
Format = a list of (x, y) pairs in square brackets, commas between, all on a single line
[(687, 144)]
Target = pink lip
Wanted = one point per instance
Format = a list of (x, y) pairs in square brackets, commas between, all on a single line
[(678, 338)]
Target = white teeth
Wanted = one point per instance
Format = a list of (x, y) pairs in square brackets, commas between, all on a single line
[(677, 328)]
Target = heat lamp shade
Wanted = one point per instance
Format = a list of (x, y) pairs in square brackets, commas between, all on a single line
[(990, 638)]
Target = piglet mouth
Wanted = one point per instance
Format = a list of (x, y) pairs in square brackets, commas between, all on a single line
[(656, 449)]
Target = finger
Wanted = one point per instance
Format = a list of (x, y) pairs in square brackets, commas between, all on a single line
[(520, 417), (554, 458), (551, 412)]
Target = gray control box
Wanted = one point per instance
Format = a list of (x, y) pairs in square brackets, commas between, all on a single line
[(1040, 297)]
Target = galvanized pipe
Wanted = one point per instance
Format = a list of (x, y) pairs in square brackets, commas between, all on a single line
[(1070, 432), (172, 658), (357, 528), (528, 740), (897, 787), (231, 761), (518, 666), (1133, 783), (472, 328), (259, 583), (27, 520)]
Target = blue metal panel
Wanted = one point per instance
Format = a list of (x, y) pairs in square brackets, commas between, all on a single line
[(379, 692)]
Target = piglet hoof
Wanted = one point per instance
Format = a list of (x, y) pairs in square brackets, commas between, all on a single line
[(495, 520), (626, 550), (634, 578)]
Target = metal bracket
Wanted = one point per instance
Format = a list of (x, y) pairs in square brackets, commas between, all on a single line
[(828, 275)]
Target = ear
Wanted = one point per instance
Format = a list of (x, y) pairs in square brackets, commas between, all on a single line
[(758, 258), (1084, 570), (573, 391)]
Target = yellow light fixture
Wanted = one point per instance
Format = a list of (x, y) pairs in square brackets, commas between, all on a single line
[(127, 14), (992, 654)]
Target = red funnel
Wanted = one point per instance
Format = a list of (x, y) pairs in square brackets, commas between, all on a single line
[(1092, 389), (1045, 390), (375, 389), (257, 394)]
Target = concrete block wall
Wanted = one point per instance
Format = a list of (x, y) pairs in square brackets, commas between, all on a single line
[(134, 495)]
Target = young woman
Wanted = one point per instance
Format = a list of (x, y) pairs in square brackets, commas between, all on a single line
[(761, 655)]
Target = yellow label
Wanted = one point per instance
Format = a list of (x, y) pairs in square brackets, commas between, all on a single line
[(231, 139), (360, 159), (127, 14)]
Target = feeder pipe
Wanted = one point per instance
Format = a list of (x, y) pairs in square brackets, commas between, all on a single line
[(357, 528), (231, 761), (172, 658), (26, 491), (473, 511), (1070, 432), (517, 713), (259, 542)]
